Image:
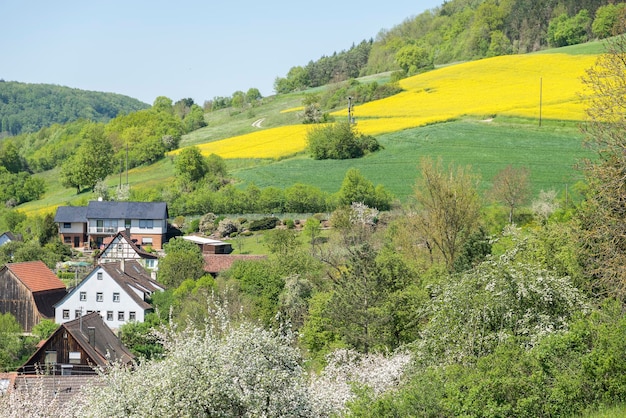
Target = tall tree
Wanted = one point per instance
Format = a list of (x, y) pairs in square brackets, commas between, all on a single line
[(602, 215), (92, 162), (510, 187), (448, 207)]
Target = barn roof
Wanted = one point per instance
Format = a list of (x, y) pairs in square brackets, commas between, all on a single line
[(103, 349), (36, 276)]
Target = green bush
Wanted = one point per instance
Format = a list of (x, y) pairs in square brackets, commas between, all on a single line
[(339, 141), (263, 223)]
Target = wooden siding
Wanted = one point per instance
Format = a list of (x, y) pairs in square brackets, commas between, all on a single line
[(17, 300), (63, 343)]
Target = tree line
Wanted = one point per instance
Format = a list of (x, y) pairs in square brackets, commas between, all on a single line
[(461, 30), (28, 107)]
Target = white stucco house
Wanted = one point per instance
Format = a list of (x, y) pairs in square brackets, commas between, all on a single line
[(118, 291)]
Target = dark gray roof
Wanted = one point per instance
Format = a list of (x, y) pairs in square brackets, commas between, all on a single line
[(107, 348), (71, 214), (132, 275), (126, 210)]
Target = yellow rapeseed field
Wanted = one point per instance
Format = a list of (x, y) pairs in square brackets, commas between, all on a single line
[(268, 143), (508, 85)]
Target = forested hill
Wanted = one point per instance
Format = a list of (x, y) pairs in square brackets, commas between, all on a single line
[(463, 30), (28, 107)]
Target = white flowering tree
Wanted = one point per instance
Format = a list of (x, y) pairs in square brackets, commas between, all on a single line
[(499, 299), (224, 370)]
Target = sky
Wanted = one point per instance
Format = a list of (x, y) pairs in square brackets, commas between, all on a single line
[(181, 49)]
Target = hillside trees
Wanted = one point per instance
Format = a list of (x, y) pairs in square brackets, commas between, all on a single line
[(27, 107), (92, 162), (604, 232), (510, 187), (355, 188), (183, 260), (448, 208)]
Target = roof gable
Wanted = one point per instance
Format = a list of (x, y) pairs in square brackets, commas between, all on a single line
[(103, 349), (36, 276), (122, 238)]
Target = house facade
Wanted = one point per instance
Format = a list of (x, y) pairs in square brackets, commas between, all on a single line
[(91, 225), (117, 291), (28, 291), (76, 348), (122, 247)]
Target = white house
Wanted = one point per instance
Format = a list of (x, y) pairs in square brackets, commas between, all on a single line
[(117, 291)]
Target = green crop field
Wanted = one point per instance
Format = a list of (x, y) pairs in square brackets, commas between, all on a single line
[(550, 153)]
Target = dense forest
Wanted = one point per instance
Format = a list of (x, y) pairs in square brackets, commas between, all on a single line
[(29, 107)]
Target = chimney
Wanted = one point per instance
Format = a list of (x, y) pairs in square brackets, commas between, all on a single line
[(91, 335), (122, 267)]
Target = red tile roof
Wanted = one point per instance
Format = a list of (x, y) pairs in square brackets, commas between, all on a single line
[(36, 276)]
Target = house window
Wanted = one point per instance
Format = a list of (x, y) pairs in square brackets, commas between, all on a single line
[(116, 297), (132, 316), (146, 223), (51, 357), (67, 240), (120, 316), (74, 357), (106, 225), (99, 275), (67, 225), (109, 315), (150, 263), (99, 297), (77, 313), (127, 223), (66, 314), (83, 296), (120, 247)]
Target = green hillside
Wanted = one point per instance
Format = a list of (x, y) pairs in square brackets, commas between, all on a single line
[(28, 107)]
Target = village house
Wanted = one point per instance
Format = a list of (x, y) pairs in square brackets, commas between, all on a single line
[(28, 291), (7, 237), (121, 247), (78, 347), (89, 226), (118, 291)]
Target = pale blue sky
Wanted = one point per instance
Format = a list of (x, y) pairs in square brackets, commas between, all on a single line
[(179, 49)]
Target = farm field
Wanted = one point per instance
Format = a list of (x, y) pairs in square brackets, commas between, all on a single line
[(550, 153), (482, 113)]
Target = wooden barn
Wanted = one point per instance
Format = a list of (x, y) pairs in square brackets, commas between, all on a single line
[(78, 347), (28, 291)]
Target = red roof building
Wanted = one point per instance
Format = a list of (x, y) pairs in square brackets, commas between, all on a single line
[(28, 291)]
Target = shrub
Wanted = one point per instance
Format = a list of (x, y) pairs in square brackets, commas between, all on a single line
[(263, 223), (339, 141)]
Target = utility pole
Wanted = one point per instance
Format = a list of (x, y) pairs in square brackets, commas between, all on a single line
[(350, 120), (540, 98)]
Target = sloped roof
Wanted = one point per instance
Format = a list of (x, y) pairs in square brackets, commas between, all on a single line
[(122, 236), (107, 348), (129, 274), (127, 210), (71, 214), (36, 276)]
